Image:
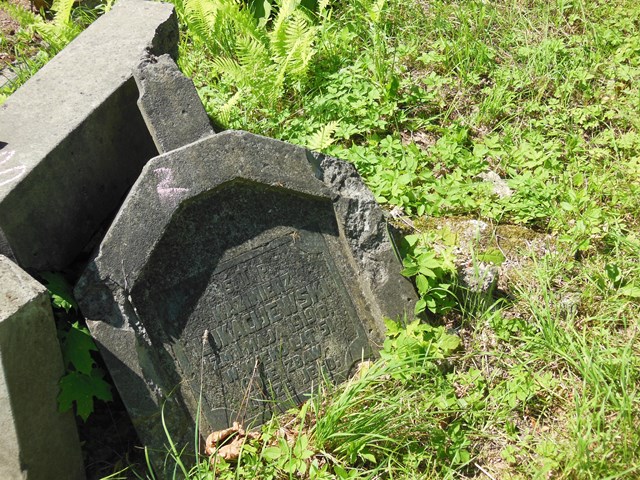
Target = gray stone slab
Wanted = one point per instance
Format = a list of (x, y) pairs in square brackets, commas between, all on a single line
[(242, 268), (72, 140), (37, 441), (170, 104)]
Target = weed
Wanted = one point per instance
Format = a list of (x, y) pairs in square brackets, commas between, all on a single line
[(83, 380)]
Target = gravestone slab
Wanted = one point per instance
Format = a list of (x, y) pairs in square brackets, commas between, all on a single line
[(170, 104), (72, 140), (240, 272), (37, 441)]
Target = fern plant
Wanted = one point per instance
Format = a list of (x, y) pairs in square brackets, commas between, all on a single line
[(322, 138), (62, 29), (261, 57)]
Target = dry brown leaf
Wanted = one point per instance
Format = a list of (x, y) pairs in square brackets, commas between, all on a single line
[(230, 451)]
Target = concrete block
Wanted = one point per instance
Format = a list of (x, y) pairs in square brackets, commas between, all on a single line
[(170, 104), (37, 441), (72, 140)]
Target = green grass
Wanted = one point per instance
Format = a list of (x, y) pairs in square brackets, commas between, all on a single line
[(422, 97)]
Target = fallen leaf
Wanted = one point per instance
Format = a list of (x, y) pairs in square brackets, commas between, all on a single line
[(230, 451)]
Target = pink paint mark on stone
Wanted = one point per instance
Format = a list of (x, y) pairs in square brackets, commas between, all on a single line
[(166, 191), (8, 175)]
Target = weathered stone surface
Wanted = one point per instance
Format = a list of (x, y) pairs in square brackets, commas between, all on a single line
[(72, 140), (170, 104), (37, 441), (499, 185), (243, 268)]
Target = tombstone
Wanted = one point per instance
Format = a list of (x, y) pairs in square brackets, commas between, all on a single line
[(37, 441), (240, 273), (170, 104)]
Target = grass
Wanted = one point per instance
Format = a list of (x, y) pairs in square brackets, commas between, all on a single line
[(422, 97)]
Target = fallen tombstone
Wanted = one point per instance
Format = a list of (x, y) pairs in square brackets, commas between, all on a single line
[(37, 441), (240, 272), (72, 140), (170, 104)]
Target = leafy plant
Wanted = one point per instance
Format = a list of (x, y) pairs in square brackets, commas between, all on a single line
[(418, 340), (60, 291), (62, 29), (237, 45), (83, 381), (432, 271)]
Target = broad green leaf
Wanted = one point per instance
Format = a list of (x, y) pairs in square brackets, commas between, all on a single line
[(578, 179), (584, 244), (271, 453), (448, 343), (614, 273), (431, 304), (60, 291), (410, 271), (81, 389), (420, 306), (422, 283), (393, 327), (428, 273), (340, 472), (300, 446), (492, 255), (412, 239), (630, 290), (428, 260), (77, 347)]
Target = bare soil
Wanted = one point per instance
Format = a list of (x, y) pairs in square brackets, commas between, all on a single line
[(9, 28)]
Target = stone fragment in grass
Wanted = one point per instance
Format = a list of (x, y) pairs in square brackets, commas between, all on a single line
[(499, 185), (170, 104)]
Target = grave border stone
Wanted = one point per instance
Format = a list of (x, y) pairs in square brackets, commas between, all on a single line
[(37, 440), (72, 140)]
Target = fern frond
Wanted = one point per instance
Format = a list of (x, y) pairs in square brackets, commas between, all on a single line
[(202, 20), (229, 68), (57, 35), (224, 113), (252, 54), (278, 33), (218, 23), (322, 138), (244, 22), (323, 10), (292, 45), (63, 11), (300, 36)]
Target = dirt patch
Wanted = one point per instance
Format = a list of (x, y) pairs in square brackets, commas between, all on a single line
[(8, 29), (12, 36)]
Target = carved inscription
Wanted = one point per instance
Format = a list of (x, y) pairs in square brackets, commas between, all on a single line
[(270, 324)]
